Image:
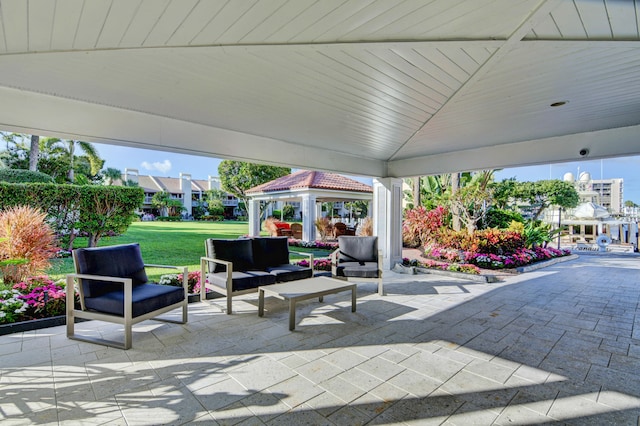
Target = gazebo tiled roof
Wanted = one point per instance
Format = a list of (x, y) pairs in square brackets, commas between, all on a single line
[(306, 179)]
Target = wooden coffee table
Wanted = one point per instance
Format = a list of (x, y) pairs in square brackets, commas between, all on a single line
[(295, 291)]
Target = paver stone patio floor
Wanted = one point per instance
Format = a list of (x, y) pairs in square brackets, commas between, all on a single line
[(558, 345)]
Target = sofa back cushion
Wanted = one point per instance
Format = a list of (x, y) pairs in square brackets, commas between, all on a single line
[(122, 261), (240, 252), (270, 251), (357, 249)]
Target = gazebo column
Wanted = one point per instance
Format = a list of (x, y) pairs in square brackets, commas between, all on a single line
[(254, 218), (387, 219), (308, 217)]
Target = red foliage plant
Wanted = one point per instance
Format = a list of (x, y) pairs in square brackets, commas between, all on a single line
[(421, 226), (24, 235), (488, 241)]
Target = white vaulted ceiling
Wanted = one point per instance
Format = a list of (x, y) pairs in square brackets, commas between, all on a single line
[(364, 87)]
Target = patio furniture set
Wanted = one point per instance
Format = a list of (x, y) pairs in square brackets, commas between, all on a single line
[(294, 230), (113, 286)]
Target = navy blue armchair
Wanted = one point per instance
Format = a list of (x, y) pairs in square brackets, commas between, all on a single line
[(114, 287)]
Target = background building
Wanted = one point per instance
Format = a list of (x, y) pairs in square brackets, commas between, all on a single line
[(607, 193), (191, 192), (610, 194)]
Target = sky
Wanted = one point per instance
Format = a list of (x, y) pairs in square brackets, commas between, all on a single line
[(161, 163), (627, 168)]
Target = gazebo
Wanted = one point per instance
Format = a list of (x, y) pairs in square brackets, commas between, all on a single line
[(311, 189)]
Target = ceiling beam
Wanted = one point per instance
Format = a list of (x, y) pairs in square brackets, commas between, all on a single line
[(39, 114), (619, 142)]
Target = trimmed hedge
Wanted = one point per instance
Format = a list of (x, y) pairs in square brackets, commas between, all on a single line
[(24, 176), (72, 209)]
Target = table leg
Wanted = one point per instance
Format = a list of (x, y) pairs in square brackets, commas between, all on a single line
[(353, 299), (260, 302), (292, 314)]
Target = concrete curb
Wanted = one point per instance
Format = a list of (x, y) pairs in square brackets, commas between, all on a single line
[(459, 275), (493, 278), (544, 264)]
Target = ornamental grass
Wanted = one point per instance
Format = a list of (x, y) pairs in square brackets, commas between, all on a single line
[(26, 243)]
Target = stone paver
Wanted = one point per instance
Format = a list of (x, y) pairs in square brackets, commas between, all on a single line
[(557, 345)]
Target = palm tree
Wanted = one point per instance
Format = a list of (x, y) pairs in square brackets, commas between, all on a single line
[(455, 185), (416, 192), (58, 148), (90, 151), (34, 152), (111, 175)]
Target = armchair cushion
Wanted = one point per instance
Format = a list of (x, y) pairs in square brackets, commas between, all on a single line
[(357, 249), (124, 261), (357, 270), (240, 252), (146, 298), (270, 252)]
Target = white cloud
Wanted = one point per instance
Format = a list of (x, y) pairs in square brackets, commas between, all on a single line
[(163, 167)]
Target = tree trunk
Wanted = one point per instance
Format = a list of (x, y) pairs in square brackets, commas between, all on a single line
[(455, 214), (416, 192), (72, 237), (471, 228), (34, 153), (93, 240), (70, 175)]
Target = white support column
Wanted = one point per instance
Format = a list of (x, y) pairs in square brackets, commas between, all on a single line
[(308, 217), (318, 210), (185, 187), (254, 218), (387, 219)]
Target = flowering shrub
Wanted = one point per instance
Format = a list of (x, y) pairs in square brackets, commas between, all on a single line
[(484, 241), (62, 253), (12, 308), (323, 245), (520, 258), (193, 281), (464, 267), (434, 264), (43, 297), (488, 248), (495, 241), (33, 298), (441, 252), (318, 264)]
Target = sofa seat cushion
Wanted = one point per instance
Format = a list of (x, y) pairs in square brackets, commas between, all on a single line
[(242, 280), (288, 272), (357, 270), (146, 298)]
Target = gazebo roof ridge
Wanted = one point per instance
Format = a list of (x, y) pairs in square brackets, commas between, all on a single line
[(306, 179)]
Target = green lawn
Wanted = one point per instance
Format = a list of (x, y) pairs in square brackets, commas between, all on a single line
[(169, 243)]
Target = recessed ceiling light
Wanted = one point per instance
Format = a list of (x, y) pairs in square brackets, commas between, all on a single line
[(559, 103)]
